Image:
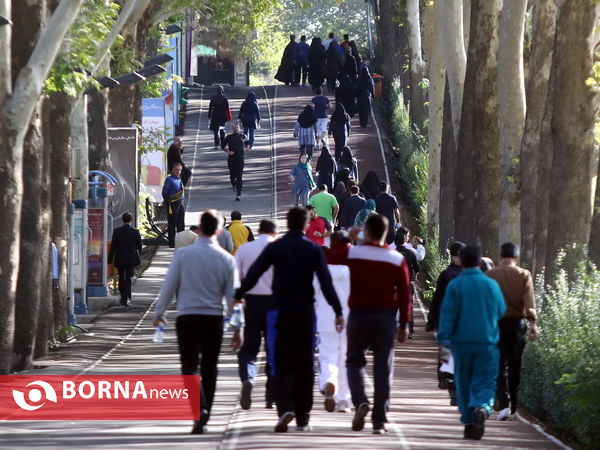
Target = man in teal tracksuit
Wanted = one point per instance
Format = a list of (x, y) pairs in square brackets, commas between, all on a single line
[(472, 306)]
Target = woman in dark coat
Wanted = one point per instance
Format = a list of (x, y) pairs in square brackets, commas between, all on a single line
[(364, 91), (345, 94), (316, 63), (356, 55), (217, 115), (285, 73), (326, 168), (349, 68), (250, 116), (332, 66), (339, 128), (348, 161)]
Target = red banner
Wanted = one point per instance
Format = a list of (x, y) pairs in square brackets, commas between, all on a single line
[(99, 397)]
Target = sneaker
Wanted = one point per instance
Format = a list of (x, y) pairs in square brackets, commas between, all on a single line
[(479, 425), (305, 428), (237, 198), (379, 429), (504, 414), (246, 395), (282, 423), (342, 406), (328, 392), (358, 422), (269, 405)]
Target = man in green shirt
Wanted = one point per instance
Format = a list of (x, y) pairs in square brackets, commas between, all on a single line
[(325, 204)]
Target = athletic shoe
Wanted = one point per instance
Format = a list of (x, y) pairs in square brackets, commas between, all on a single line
[(343, 406), (282, 423), (246, 395), (504, 414), (379, 429), (358, 422), (328, 392), (305, 428), (237, 198)]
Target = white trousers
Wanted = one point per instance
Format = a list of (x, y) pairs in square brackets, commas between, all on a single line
[(332, 361)]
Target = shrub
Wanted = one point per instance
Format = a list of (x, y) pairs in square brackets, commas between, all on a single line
[(561, 369)]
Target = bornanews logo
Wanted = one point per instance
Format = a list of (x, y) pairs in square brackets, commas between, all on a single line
[(99, 397)]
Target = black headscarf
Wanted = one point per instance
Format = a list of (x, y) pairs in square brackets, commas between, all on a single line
[(219, 95), (340, 115), (307, 118), (346, 157), (316, 48), (326, 160), (248, 104), (365, 82)]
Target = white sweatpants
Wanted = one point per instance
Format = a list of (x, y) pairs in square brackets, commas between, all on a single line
[(332, 361)]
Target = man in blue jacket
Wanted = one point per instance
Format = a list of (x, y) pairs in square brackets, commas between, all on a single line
[(472, 306), (301, 58), (172, 194)]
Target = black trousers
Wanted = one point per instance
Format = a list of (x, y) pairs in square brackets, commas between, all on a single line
[(294, 343), (186, 174), (125, 276), (375, 328), (257, 307), (175, 220), (300, 68), (219, 135), (511, 345), (236, 171), (199, 334)]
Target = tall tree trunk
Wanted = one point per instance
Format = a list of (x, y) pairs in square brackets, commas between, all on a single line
[(511, 116), (542, 33), (437, 83), (575, 106), (60, 198), (389, 31), (595, 230), (97, 129), (456, 58), (478, 165), (418, 110), (447, 175)]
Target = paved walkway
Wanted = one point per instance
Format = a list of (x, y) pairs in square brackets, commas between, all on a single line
[(120, 340)]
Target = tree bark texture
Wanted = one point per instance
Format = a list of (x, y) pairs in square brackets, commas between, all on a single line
[(478, 162), (540, 60), (448, 158), (437, 84), (97, 116), (389, 31), (575, 107), (418, 97), (595, 229), (511, 116)]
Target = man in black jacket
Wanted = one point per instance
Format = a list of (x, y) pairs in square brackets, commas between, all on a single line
[(174, 157), (445, 380), (352, 205), (124, 254), (236, 144)]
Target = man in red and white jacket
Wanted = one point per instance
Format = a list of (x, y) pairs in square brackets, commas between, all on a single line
[(379, 287)]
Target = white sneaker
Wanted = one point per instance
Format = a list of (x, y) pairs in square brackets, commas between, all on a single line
[(504, 414), (342, 406)]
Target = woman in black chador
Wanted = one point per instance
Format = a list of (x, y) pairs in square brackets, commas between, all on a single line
[(345, 93), (285, 73), (364, 91), (316, 63), (217, 115), (339, 128), (332, 66), (326, 168)]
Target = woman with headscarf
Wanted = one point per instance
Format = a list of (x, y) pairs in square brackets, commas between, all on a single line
[(326, 168), (250, 117), (339, 128), (217, 115), (339, 191), (365, 213), (332, 66), (356, 55), (302, 181), (349, 68), (364, 92), (348, 161), (316, 63), (285, 72), (304, 130), (345, 94)]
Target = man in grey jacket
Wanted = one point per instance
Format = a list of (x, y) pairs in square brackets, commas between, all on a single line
[(204, 278)]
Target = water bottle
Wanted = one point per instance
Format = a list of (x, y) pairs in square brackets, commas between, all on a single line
[(225, 324), (159, 333), (237, 317)]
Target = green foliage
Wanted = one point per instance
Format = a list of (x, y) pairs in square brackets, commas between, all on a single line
[(152, 139), (561, 369), (143, 220), (154, 87), (85, 37)]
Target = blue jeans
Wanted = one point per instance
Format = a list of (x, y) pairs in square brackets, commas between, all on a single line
[(250, 133)]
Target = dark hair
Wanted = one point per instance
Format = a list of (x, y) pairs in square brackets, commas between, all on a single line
[(509, 250), (376, 226), (297, 218), (322, 187), (126, 217), (194, 228), (309, 207), (346, 36), (318, 91), (354, 189), (340, 235), (331, 35), (456, 247), (470, 256), (209, 222), (301, 155), (177, 164), (383, 186), (267, 226), (236, 215), (400, 237), (302, 38)]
